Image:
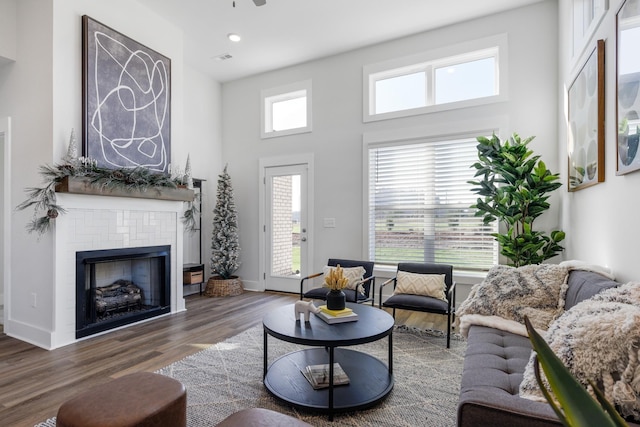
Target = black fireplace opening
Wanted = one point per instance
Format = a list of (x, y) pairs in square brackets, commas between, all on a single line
[(115, 287)]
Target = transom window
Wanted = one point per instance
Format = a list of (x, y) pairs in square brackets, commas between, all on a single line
[(401, 92), (286, 110), (465, 80), (419, 203), (434, 81)]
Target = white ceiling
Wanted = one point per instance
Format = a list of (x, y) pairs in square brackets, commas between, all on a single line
[(287, 32)]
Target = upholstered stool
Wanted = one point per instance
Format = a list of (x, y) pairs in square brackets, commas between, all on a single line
[(259, 417), (142, 399)]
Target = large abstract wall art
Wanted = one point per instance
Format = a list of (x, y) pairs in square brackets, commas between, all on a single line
[(126, 101)]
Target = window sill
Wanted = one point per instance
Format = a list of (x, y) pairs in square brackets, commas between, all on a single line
[(384, 272)]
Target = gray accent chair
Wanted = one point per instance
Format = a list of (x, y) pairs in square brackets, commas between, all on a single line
[(420, 302)]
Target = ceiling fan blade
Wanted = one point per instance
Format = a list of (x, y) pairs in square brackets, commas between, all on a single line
[(260, 2)]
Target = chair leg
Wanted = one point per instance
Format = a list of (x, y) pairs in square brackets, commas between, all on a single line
[(449, 330), (394, 314)]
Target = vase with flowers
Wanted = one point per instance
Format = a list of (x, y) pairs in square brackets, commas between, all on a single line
[(336, 282)]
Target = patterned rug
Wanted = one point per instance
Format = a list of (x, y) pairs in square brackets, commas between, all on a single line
[(227, 377)]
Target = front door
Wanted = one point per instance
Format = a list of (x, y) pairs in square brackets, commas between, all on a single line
[(286, 227)]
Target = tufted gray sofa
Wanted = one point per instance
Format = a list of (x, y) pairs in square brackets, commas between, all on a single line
[(494, 364)]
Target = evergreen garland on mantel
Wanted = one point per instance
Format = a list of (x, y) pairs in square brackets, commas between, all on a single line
[(43, 199), (225, 249)]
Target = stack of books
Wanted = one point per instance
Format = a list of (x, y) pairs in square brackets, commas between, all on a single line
[(336, 316), (318, 375)]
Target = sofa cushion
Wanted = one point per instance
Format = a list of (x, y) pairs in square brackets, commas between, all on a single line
[(584, 285), (493, 367)]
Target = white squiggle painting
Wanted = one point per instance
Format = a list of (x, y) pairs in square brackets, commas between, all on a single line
[(128, 120)]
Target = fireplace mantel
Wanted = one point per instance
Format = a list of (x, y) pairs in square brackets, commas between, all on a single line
[(83, 185)]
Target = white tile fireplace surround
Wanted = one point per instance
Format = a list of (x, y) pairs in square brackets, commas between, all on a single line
[(105, 222)]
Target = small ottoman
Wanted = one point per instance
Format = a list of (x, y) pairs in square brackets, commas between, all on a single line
[(259, 417), (141, 399)]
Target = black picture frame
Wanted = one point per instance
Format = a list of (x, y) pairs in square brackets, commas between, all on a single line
[(126, 101)]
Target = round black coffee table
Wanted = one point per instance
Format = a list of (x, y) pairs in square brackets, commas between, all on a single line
[(370, 380)]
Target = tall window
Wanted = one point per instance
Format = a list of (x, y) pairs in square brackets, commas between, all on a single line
[(286, 110), (419, 200)]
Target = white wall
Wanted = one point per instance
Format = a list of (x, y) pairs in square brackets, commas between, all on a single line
[(7, 30), (336, 140), (601, 221), (42, 92), (27, 89), (203, 138), (3, 203)]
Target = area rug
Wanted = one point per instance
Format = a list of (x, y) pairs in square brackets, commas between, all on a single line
[(227, 377)]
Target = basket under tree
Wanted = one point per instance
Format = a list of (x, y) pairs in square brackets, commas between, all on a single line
[(225, 248)]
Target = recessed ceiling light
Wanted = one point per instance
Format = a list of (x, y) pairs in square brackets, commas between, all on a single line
[(234, 37)]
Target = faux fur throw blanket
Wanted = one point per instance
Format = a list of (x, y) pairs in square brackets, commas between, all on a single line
[(508, 294), (599, 340)]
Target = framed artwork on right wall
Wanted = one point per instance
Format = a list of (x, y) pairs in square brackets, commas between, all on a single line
[(628, 87), (585, 145)]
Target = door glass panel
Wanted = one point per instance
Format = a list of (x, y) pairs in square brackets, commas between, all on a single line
[(285, 227)]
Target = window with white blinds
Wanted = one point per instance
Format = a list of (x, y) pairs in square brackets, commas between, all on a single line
[(419, 199)]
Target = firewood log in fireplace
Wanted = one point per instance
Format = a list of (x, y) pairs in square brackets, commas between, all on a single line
[(120, 296)]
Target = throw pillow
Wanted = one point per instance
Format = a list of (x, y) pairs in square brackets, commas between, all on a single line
[(598, 340), (353, 274), (430, 285), (536, 291)]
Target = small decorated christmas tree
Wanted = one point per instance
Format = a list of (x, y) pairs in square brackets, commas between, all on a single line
[(225, 249)]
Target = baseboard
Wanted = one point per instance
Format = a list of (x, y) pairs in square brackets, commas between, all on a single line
[(251, 285), (29, 333)]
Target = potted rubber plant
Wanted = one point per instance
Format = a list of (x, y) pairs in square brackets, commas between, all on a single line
[(513, 188)]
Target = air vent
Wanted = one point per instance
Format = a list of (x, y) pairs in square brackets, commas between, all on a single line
[(223, 57)]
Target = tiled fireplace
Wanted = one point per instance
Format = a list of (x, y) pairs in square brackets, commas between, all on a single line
[(99, 223)]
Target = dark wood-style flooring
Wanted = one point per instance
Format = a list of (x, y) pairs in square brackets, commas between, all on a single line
[(34, 382)]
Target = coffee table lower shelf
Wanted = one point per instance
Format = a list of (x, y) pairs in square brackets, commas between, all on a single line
[(369, 380)]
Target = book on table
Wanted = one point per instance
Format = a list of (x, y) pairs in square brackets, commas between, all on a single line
[(351, 317), (318, 375), (344, 312)]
